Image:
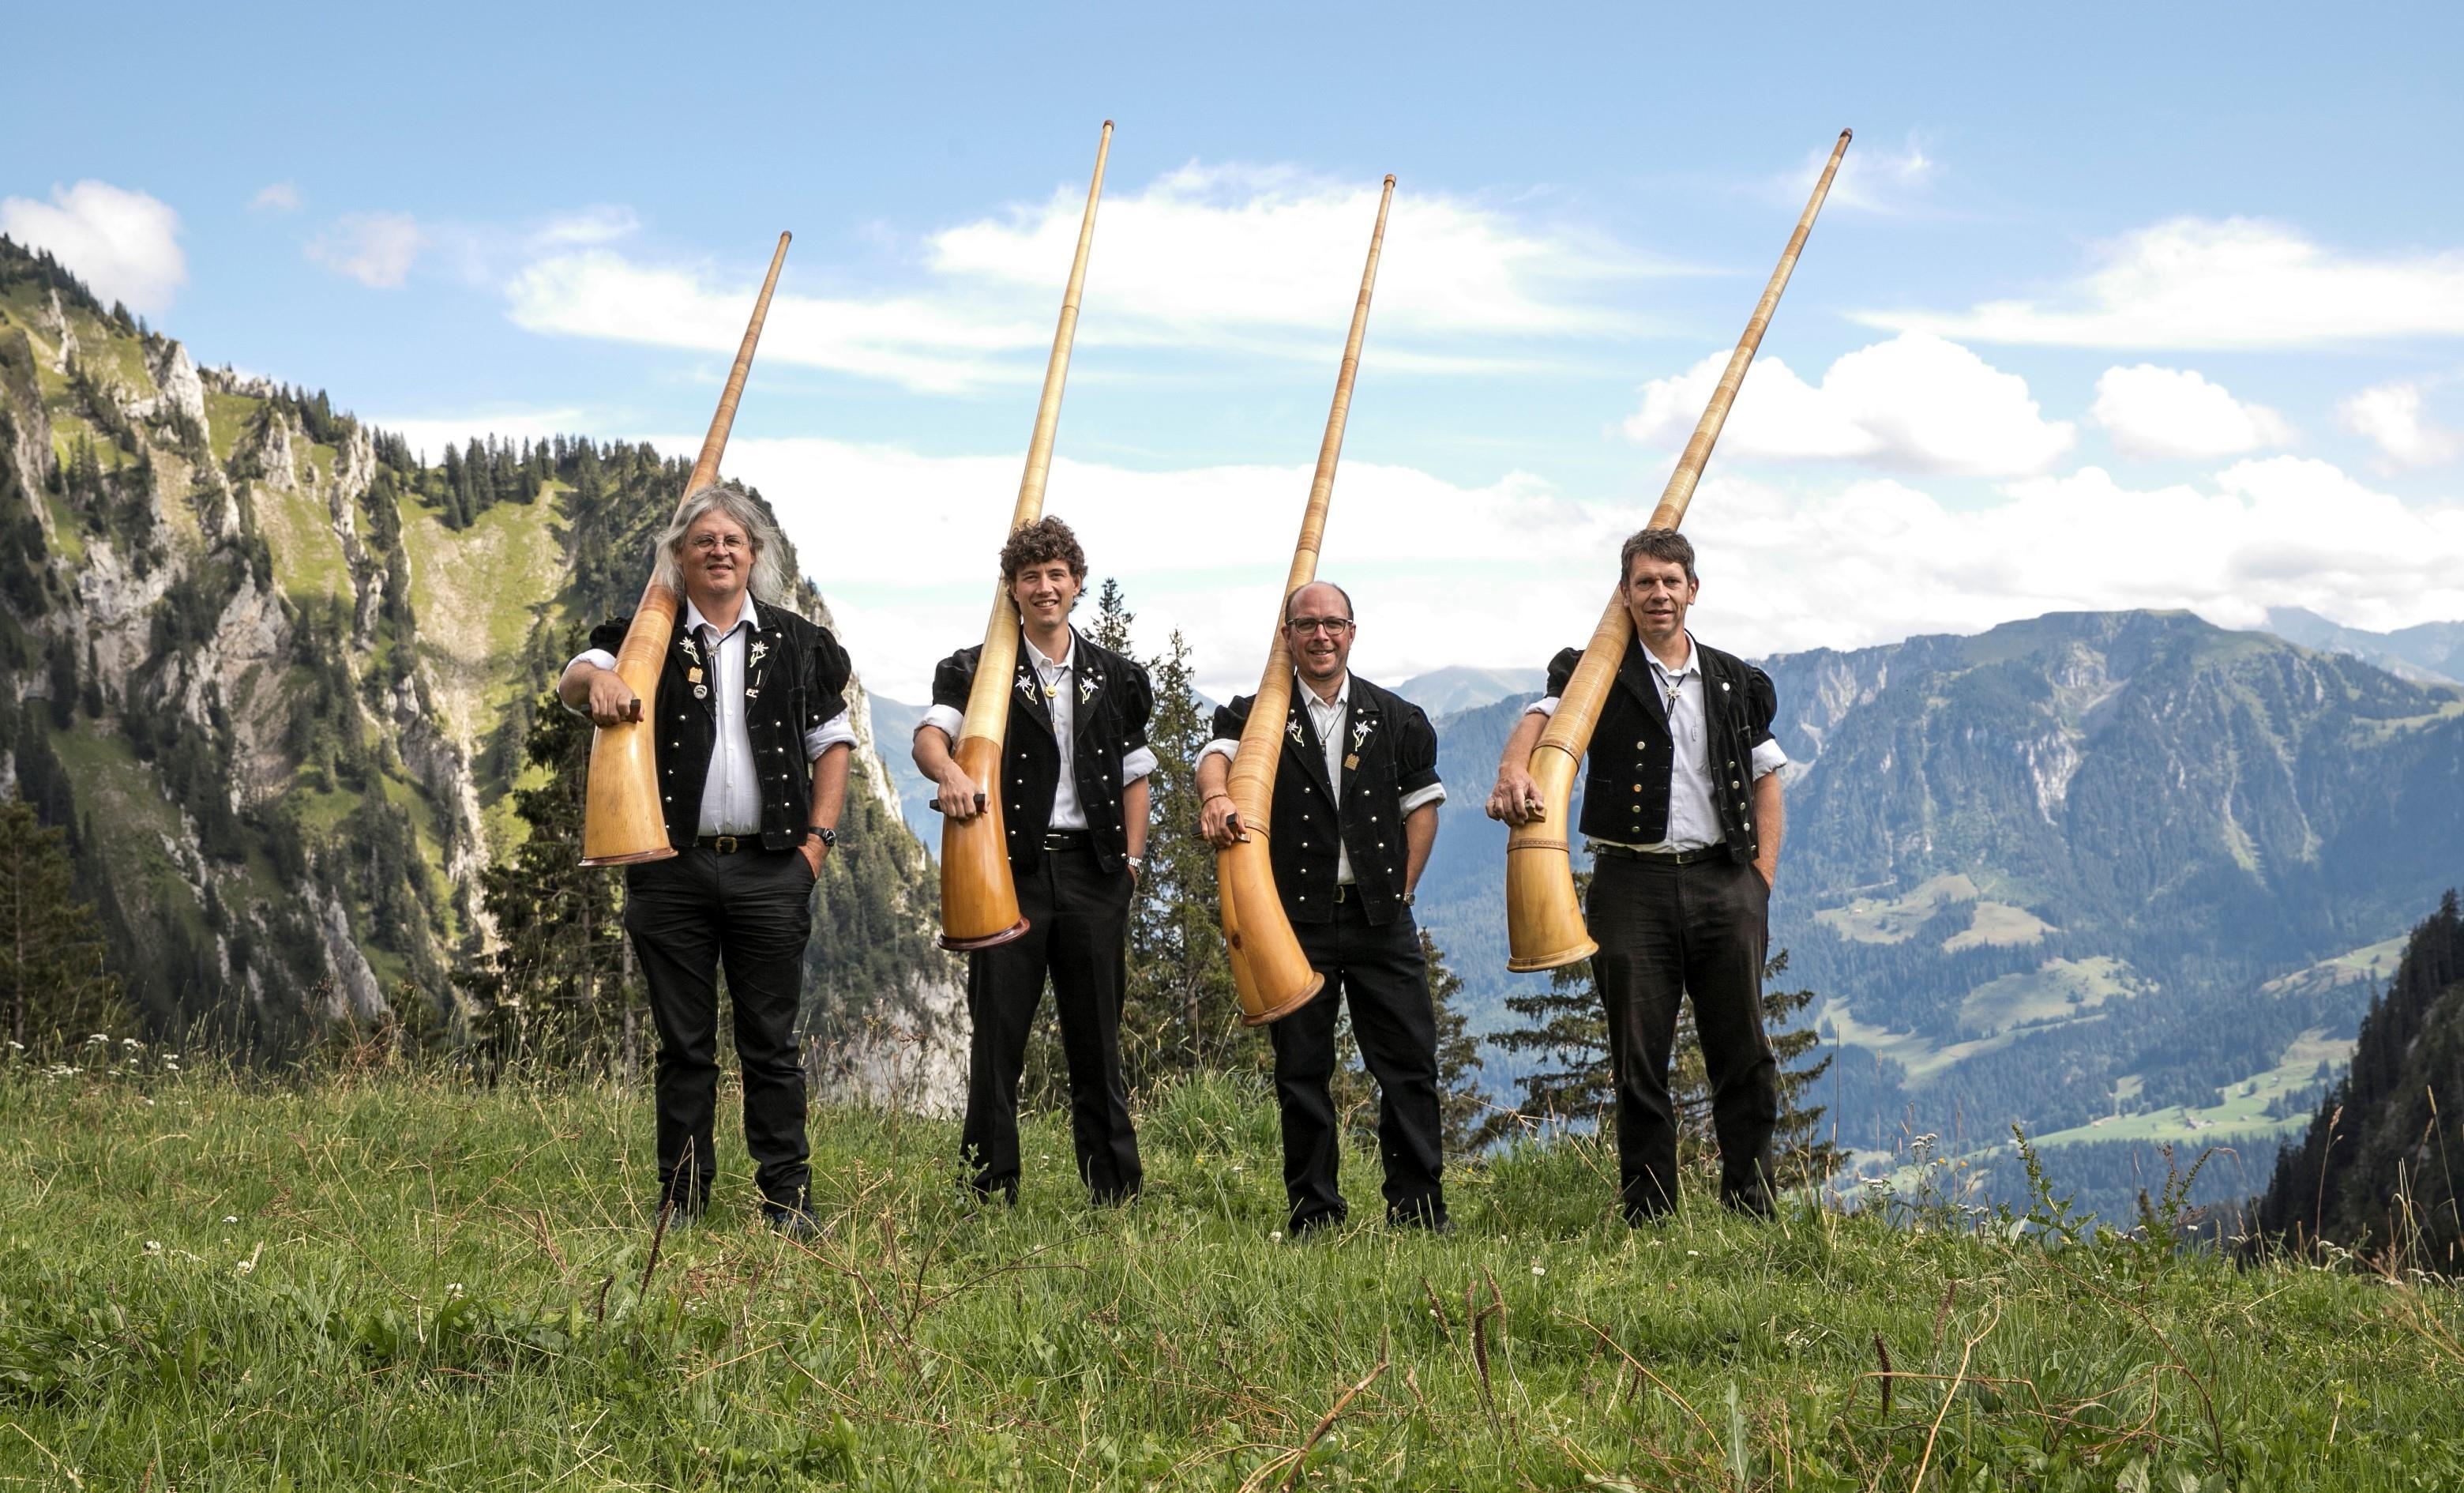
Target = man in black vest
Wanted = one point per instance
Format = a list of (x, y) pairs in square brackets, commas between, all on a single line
[(1074, 803), (752, 740), (1355, 814), (1681, 810)]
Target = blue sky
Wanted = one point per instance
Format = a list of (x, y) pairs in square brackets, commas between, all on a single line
[(2127, 307)]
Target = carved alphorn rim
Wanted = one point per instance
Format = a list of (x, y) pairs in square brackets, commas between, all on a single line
[(1540, 905), (1269, 967), (979, 897), (621, 822)]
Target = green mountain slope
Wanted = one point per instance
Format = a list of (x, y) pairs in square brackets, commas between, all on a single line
[(275, 673)]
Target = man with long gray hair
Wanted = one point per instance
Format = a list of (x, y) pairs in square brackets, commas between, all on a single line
[(752, 739)]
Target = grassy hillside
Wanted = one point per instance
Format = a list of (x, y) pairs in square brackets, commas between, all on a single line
[(381, 1278)]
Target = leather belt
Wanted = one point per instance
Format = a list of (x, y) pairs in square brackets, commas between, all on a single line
[(1657, 858), (1069, 839), (729, 844)]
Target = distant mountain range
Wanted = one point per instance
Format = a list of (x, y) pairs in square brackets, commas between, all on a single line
[(2432, 653)]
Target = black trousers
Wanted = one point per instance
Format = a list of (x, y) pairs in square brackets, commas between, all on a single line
[(751, 912), (1666, 933), (1078, 923), (1381, 972)]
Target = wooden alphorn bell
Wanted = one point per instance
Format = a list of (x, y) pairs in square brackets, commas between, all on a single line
[(1271, 973), (978, 897), (621, 821), (1543, 919)]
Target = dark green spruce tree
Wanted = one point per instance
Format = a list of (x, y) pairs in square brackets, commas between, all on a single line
[(55, 989), (558, 987), (1566, 1035)]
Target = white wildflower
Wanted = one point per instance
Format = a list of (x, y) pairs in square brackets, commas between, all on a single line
[(153, 1246), (230, 1218), (131, 1043), (244, 1267), (98, 1040), (452, 1290), (1539, 1270), (1277, 1234), (16, 1046), (1693, 1254)]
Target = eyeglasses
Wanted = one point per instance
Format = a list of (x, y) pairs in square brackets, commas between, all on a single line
[(704, 543), (1332, 627)]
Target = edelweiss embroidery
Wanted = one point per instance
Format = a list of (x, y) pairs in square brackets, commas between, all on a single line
[(1025, 683), (1087, 686)]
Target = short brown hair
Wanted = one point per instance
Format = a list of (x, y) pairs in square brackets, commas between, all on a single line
[(1660, 544), (1045, 540)]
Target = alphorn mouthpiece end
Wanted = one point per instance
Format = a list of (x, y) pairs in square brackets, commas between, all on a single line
[(1847, 134), (1390, 178), (1107, 124)]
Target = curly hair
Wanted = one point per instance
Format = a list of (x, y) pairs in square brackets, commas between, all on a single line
[(1660, 544), (766, 576), (1046, 539)]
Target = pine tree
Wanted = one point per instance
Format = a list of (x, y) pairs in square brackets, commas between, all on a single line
[(54, 986), (1181, 992), (558, 985), (1572, 1084)]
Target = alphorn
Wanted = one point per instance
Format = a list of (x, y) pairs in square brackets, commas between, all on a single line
[(1271, 973), (1544, 920), (979, 898), (621, 821)]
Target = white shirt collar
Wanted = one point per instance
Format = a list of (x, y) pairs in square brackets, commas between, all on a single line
[(1342, 692), (1681, 670), (694, 621), (1062, 664)]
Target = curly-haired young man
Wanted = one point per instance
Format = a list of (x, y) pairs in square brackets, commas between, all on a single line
[(1073, 800)]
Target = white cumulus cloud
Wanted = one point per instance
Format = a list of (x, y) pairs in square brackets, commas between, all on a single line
[(430, 434), (125, 245), (1877, 559), (2177, 413), (1916, 403), (376, 249), (1227, 259), (1504, 573), (2389, 415), (275, 197), (2239, 283)]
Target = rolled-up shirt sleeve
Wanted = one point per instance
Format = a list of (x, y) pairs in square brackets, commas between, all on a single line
[(1434, 794), (944, 718), (1545, 706), (1137, 765), (836, 731), (1223, 746), (1769, 758), (598, 656)]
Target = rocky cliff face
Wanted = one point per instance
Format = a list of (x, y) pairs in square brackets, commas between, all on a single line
[(264, 663)]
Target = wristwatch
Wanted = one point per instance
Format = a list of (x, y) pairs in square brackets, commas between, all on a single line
[(1408, 898), (829, 838)]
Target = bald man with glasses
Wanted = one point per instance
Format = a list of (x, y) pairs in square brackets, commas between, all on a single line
[(1353, 817)]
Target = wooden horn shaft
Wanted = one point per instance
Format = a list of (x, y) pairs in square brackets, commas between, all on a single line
[(1544, 920), (621, 820), (1269, 967), (978, 897)]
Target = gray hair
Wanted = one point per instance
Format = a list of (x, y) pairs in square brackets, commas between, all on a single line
[(766, 577)]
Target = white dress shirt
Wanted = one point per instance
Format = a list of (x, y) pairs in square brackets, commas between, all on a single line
[(1059, 686), (1327, 718), (1693, 822), (731, 796)]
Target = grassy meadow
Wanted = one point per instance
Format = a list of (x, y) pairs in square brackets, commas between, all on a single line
[(391, 1279)]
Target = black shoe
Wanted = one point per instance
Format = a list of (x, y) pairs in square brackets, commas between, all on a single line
[(792, 1223), (682, 1213), (1423, 1214), (1299, 1229), (1752, 1202)]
